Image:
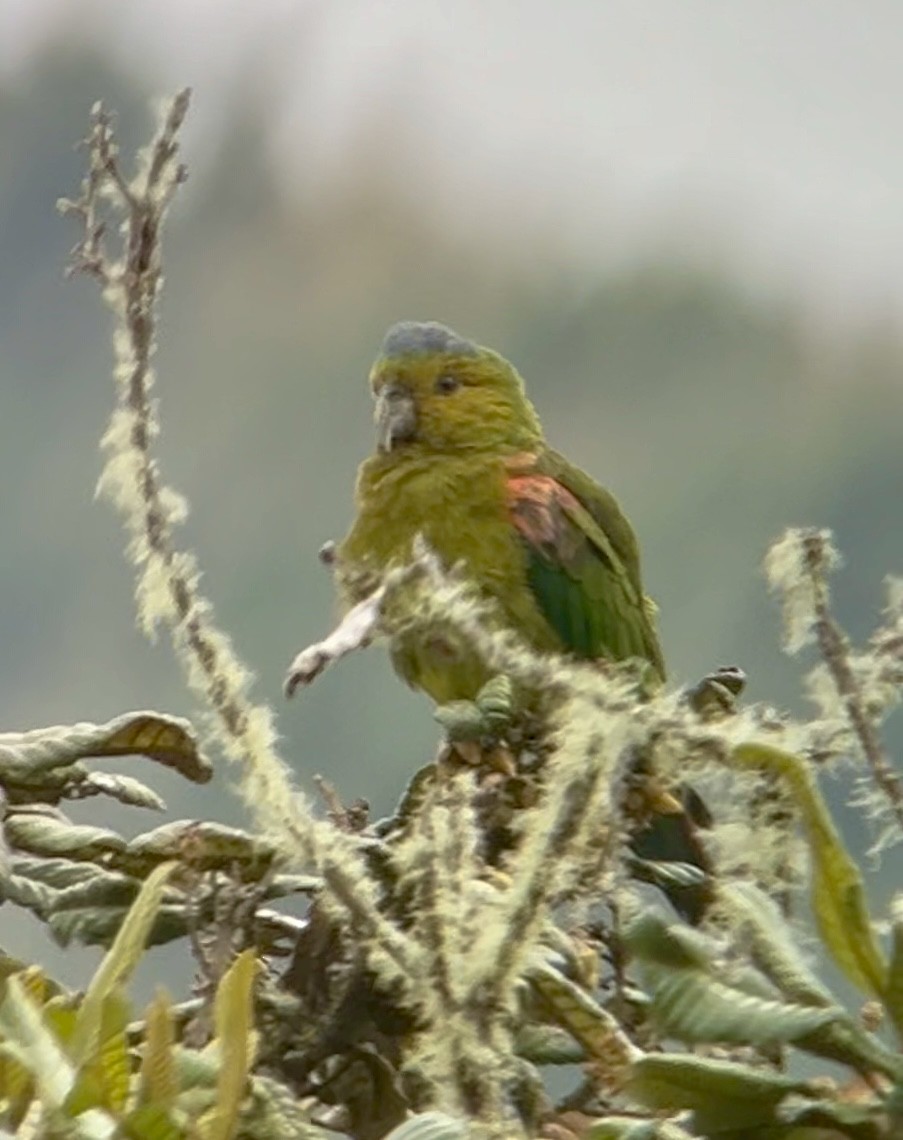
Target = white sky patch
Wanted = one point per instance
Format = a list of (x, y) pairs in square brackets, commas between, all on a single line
[(759, 138)]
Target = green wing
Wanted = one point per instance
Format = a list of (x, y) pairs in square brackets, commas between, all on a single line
[(583, 562), (583, 569)]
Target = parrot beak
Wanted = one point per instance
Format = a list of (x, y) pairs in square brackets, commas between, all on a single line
[(395, 416)]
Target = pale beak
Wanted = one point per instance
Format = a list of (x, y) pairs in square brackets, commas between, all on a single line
[(395, 416)]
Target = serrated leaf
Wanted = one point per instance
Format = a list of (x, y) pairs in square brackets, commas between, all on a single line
[(548, 1045), (115, 1064), (233, 1019), (586, 1021), (28, 1039), (838, 1118), (167, 739), (119, 961), (17, 1087), (100, 889), (207, 846), (34, 896), (158, 1083), (768, 938), (431, 1126), (125, 789), (17, 1090), (46, 835), (847, 1042), (461, 720), (56, 873), (670, 874), (719, 1092), (838, 895), (150, 1122), (60, 1015), (623, 1128), (196, 1069), (694, 1007), (653, 940), (104, 1080), (98, 926)]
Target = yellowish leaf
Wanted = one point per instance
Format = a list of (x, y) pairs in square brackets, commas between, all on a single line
[(158, 1081), (838, 896), (119, 961), (233, 1018)]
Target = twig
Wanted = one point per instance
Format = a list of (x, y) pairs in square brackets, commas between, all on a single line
[(835, 650), (167, 586)]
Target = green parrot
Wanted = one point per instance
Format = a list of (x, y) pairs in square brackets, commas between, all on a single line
[(461, 459)]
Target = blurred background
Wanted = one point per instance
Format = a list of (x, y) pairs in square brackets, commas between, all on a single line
[(682, 221)]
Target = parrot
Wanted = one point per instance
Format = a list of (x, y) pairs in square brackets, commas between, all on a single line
[(461, 459)]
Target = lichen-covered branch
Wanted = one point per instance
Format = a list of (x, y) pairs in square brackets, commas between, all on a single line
[(167, 587), (798, 567)]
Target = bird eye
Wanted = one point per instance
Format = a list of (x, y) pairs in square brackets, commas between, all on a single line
[(447, 383)]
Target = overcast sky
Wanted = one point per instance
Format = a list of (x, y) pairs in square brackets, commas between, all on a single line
[(765, 136)]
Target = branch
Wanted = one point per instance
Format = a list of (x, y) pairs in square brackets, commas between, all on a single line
[(835, 650), (167, 586)]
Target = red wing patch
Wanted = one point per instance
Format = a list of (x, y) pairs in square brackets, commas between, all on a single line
[(539, 509)]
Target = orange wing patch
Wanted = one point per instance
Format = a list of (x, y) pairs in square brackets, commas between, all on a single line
[(541, 511)]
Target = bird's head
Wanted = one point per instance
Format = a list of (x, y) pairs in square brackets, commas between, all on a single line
[(435, 391)]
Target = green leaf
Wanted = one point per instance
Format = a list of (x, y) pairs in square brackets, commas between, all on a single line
[(721, 1093), (52, 835), (461, 720), (119, 962), (17, 1086), (769, 940), (623, 1128), (233, 1017), (838, 895), (27, 1038), (847, 1042), (56, 873), (167, 739), (653, 940), (691, 1006), (150, 1122), (158, 1084), (28, 893), (104, 1079), (587, 1022), (98, 926), (125, 789), (839, 1118), (209, 846), (548, 1045), (100, 889), (666, 874), (691, 1003)]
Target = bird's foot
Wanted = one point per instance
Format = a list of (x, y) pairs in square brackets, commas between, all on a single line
[(475, 730), (716, 695)]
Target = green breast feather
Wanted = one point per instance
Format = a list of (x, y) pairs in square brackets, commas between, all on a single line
[(539, 537)]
